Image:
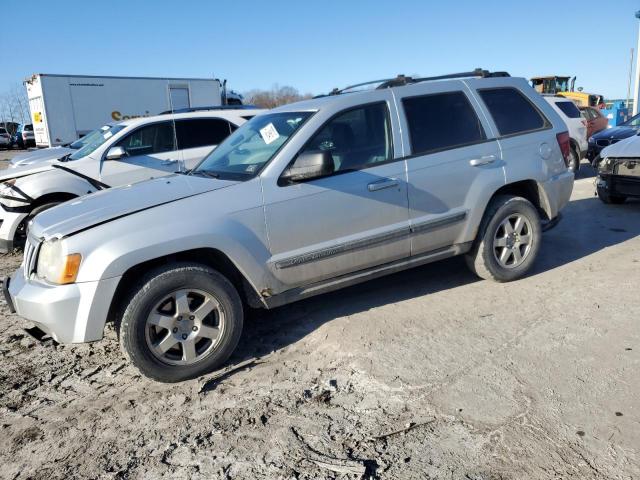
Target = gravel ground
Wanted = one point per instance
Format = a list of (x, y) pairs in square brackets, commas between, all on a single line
[(430, 373)]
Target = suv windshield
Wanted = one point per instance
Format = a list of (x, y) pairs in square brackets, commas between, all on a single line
[(89, 137), (98, 137), (248, 149)]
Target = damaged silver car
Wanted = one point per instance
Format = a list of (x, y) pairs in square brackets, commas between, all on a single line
[(304, 199)]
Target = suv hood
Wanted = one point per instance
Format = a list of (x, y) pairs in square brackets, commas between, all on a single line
[(629, 147), (110, 204)]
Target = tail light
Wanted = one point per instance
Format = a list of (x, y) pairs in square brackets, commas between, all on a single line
[(565, 146)]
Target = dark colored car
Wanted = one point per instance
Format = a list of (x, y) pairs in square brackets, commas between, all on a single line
[(596, 122), (610, 136)]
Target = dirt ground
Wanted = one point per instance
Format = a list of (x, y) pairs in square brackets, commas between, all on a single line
[(430, 373)]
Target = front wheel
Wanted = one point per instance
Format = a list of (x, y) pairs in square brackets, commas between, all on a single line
[(508, 240), (182, 321)]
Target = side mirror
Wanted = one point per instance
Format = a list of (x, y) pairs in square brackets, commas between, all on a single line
[(309, 165), (116, 153)]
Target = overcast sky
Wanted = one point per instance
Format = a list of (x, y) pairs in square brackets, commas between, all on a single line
[(315, 46)]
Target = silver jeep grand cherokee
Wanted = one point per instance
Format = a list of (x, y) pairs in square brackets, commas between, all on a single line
[(304, 199)]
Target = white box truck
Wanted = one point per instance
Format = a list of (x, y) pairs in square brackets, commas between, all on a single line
[(66, 107)]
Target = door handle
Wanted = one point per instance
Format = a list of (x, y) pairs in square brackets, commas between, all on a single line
[(485, 160), (382, 184)]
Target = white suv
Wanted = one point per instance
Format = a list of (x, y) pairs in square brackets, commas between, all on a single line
[(570, 113), (118, 154)]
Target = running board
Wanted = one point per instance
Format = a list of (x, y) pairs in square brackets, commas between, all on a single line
[(296, 294)]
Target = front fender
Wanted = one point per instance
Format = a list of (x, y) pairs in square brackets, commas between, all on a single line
[(32, 187)]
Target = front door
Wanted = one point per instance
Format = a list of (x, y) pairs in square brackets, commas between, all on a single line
[(151, 152), (348, 221)]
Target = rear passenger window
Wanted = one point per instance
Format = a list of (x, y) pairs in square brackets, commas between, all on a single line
[(512, 112), (201, 132), (569, 109), (441, 121)]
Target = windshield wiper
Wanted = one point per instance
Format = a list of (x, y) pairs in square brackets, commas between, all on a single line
[(205, 173), (64, 158)]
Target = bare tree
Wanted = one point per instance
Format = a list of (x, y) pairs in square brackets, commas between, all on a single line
[(275, 97), (14, 107)]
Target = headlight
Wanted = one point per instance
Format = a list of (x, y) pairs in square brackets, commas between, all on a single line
[(591, 140), (55, 265), (605, 166)]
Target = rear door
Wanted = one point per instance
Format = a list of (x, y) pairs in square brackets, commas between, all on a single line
[(454, 156), (198, 136), (151, 152)]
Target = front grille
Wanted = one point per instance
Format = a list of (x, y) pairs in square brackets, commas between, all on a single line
[(30, 256)]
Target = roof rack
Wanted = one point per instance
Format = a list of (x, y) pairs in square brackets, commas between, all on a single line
[(402, 80), (208, 108)]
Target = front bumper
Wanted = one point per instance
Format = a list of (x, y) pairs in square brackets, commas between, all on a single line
[(74, 313), (9, 223), (619, 185)]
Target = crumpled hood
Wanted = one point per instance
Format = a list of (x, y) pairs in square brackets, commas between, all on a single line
[(24, 170), (629, 147), (41, 155), (113, 203)]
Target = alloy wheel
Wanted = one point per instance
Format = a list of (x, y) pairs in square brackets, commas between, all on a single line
[(512, 241), (184, 327)]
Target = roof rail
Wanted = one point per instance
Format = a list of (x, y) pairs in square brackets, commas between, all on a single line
[(208, 108), (402, 80)]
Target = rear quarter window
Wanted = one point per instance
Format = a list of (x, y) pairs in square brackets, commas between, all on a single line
[(512, 112), (569, 109)]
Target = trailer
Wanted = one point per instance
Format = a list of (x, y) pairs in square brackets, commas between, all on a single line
[(67, 107)]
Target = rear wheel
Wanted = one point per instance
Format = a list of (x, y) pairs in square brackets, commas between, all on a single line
[(508, 240), (609, 199), (574, 161), (182, 321)]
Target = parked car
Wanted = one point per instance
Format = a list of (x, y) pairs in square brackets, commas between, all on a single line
[(5, 138), (23, 137), (619, 171), (610, 136), (570, 113), (126, 152), (596, 122), (304, 199), (52, 154)]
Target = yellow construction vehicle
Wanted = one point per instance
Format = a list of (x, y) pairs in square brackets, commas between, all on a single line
[(557, 85)]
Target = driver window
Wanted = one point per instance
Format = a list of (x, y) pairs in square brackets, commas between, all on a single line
[(358, 138), (156, 138)]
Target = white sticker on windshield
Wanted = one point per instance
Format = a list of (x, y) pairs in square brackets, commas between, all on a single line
[(269, 133), (108, 135)]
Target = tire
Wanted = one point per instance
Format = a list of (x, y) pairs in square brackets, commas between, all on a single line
[(574, 161), (21, 232), (142, 339), (484, 257), (609, 199)]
